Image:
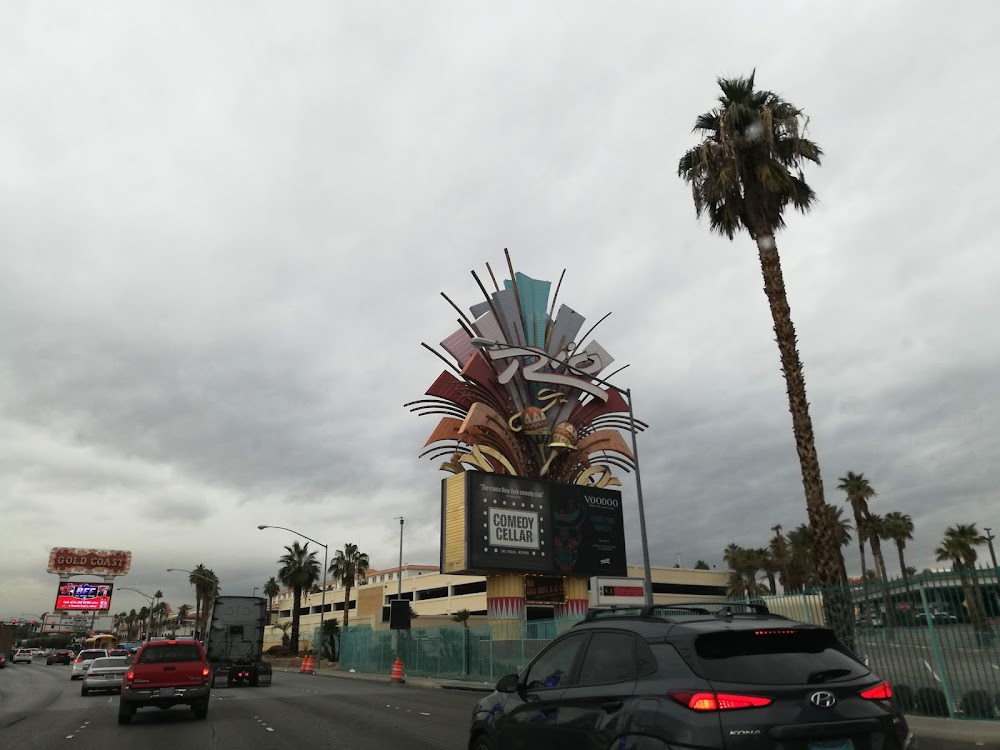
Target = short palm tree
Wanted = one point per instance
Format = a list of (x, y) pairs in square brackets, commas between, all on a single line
[(744, 174), (899, 528), (283, 626), (271, 589), (463, 616), (299, 570), (349, 564), (182, 614)]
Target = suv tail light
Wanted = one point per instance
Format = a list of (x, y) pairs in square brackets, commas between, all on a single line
[(880, 692), (78, 661), (130, 675), (205, 672), (705, 701)]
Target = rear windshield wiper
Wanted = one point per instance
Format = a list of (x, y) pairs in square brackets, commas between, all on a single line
[(826, 674)]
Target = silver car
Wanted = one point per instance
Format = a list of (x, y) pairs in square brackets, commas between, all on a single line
[(83, 661), (105, 673)]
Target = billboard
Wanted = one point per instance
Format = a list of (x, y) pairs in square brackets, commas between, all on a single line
[(104, 562), (497, 522), (83, 596)]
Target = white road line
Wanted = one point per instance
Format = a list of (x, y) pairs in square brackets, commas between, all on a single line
[(929, 669), (995, 666), (69, 736), (270, 729), (424, 713)]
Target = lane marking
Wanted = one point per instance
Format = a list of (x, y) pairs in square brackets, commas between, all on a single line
[(995, 666), (424, 713), (929, 669), (69, 736), (270, 729)]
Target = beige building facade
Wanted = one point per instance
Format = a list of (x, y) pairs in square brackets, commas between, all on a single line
[(436, 596)]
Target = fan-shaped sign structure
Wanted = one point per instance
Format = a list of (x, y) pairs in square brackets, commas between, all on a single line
[(526, 394)]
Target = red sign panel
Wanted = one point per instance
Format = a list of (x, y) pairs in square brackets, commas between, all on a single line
[(83, 597), (106, 562), (622, 590)]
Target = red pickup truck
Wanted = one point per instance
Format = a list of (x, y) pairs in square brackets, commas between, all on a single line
[(165, 674)]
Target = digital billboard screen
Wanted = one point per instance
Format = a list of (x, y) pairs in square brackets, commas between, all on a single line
[(493, 522), (83, 596)]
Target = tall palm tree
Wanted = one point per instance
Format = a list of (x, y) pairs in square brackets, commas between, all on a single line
[(144, 619), (130, 620), (349, 564), (299, 570), (859, 491), (778, 547), (182, 614), (959, 547), (767, 563), (745, 172), (157, 609), (875, 531), (271, 589), (197, 580), (899, 528)]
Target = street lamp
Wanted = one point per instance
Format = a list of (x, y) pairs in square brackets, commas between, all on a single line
[(989, 540), (254, 592), (213, 581), (483, 343), (322, 606), (149, 616)]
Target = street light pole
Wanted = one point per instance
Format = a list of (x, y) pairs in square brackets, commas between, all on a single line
[(484, 343), (322, 606), (399, 573), (989, 541)]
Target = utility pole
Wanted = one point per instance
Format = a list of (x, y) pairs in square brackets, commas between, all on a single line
[(989, 541)]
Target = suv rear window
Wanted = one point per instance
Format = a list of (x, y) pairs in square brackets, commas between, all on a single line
[(169, 652), (800, 657), (85, 655)]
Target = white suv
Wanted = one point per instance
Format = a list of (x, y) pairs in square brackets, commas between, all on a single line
[(22, 655), (83, 661)]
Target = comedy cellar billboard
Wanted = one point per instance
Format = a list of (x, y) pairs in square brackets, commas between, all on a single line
[(496, 522)]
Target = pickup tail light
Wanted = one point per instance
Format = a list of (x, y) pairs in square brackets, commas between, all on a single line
[(706, 701), (130, 675), (880, 692), (205, 672)]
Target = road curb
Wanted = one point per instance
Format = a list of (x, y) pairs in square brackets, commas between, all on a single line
[(422, 682), (986, 733)]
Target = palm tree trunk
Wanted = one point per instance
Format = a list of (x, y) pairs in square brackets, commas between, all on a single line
[(297, 599), (347, 605), (902, 565), (772, 583), (977, 601)]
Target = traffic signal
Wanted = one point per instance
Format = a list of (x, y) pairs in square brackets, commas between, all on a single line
[(143, 635)]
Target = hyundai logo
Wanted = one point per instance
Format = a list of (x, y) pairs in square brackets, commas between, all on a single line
[(823, 699)]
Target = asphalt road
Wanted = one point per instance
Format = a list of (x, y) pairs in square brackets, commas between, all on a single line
[(42, 709)]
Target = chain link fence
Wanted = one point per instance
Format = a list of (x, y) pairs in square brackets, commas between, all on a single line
[(935, 637)]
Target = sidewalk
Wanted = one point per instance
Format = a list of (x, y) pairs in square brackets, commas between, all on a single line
[(985, 733)]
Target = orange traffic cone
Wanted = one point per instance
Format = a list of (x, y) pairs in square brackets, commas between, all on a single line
[(308, 666), (397, 672)]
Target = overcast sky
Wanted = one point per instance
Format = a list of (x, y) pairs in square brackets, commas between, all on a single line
[(224, 227)]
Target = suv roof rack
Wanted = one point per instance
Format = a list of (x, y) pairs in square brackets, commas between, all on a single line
[(723, 609)]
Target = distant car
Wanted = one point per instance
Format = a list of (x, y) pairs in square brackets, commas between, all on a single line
[(22, 655), (83, 661), (119, 652), (939, 618), (165, 674), (59, 656), (105, 673)]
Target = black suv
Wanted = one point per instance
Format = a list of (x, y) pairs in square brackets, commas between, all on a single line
[(690, 676)]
